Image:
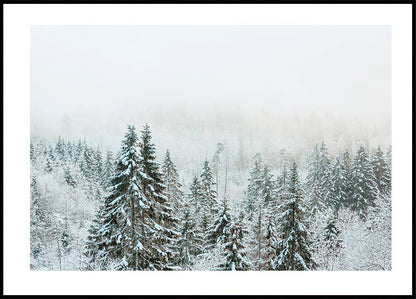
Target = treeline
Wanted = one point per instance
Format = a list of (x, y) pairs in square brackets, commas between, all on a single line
[(124, 211)]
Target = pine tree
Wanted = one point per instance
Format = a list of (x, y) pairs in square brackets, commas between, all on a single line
[(346, 160), (235, 256), (160, 207), (108, 168), (95, 244), (269, 241), (364, 186), (318, 169), (315, 204), (337, 188), (40, 224), (218, 230), (389, 169), (381, 171), (331, 237), (253, 193), (189, 241), (126, 226), (267, 187), (207, 190), (292, 250), (171, 179), (282, 187)]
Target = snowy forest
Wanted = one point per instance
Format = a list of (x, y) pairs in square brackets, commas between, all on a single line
[(97, 209)]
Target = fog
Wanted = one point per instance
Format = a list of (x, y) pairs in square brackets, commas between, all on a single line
[(256, 88)]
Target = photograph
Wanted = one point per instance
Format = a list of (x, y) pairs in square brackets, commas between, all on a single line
[(210, 148)]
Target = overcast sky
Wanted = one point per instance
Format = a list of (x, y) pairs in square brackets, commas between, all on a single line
[(93, 80)]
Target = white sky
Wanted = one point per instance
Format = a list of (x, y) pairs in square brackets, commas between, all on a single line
[(104, 77)]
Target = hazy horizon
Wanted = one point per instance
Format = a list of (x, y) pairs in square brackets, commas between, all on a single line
[(266, 87)]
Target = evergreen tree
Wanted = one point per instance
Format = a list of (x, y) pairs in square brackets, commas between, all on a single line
[(218, 231), (315, 204), (389, 169), (267, 187), (346, 159), (126, 225), (269, 242), (160, 207), (337, 188), (253, 193), (189, 241), (292, 250), (40, 224), (331, 237), (282, 187), (235, 257), (381, 171), (364, 186), (207, 190), (95, 244), (171, 179), (108, 168), (318, 170)]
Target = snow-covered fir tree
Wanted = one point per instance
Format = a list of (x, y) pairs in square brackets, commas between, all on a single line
[(381, 171), (293, 251), (318, 170), (171, 180), (160, 208), (127, 223), (218, 230), (363, 183), (190, 240), (234, 251), (253, 193), (337, 185), (209, 195), (314, 203)]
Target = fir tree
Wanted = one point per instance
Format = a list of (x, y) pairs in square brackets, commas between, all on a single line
[(171, 179), (315, 204), (346, 160), (381, 171), (126, 225), (292, 250), (189, 241), (207, 189), (318, 168), (269, 241), (235, 256), (267, 187), (337, 188), (218, 231), (253, 193), (364, 187), (160, 207), (108, 168), (331, 237)]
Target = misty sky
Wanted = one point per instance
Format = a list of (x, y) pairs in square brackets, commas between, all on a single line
[(270, 82)]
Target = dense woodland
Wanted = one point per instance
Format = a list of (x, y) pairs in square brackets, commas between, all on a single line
[(94, 209)]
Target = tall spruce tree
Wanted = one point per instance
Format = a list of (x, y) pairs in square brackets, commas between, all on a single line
[(364, 186), (160, 208), (253, 193), (293, 248), (126, 226), (208, 193), (190, 239), (171, 179), (337, 188), (218, 230), (381, 171), (234, 251)]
